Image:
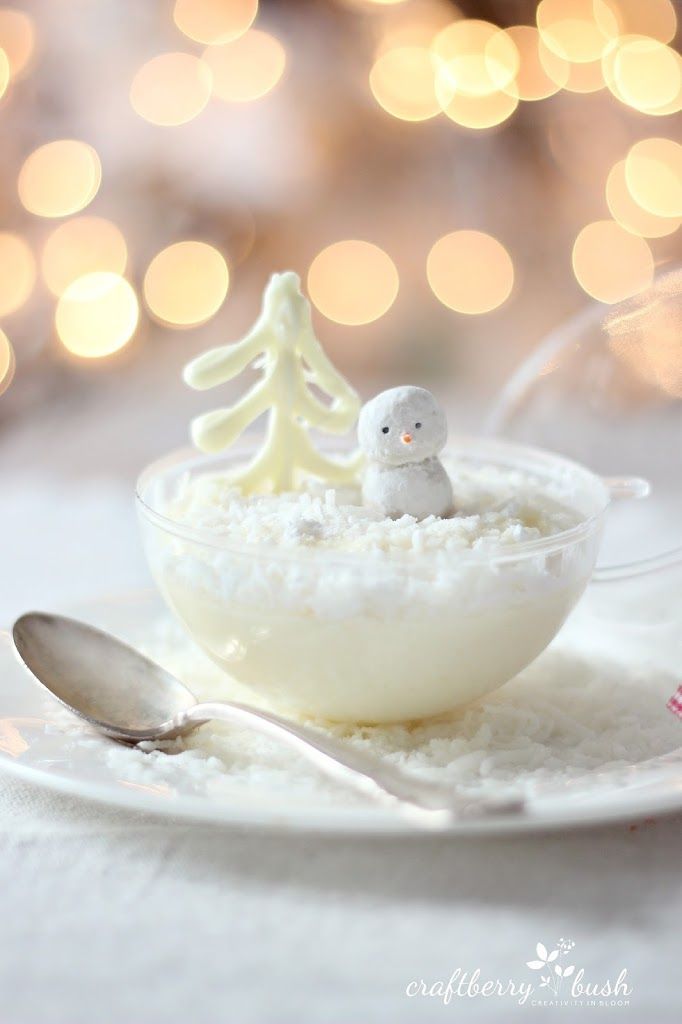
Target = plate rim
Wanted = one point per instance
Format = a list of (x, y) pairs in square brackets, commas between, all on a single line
[(374, 821), (544, 814)]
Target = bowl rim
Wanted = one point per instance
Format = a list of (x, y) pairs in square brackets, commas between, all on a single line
[(208, 537)]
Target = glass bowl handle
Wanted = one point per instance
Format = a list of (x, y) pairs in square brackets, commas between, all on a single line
[(621, 487), (627, 487)]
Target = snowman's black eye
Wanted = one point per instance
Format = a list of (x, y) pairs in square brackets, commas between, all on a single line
[(384, 430), (418, 426)]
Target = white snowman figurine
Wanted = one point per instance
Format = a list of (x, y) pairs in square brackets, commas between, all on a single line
[(401, 432)]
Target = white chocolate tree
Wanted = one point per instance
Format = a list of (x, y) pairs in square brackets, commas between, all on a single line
[(283, 343)]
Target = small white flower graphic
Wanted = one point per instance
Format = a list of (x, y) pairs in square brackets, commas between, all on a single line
[(544, 958)]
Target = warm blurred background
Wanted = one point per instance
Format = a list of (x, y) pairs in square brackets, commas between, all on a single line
[(451, 181)]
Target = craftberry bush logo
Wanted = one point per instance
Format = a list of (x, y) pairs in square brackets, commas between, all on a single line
[(560, 983), (555, 972)]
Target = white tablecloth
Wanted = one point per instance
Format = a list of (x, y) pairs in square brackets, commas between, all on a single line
[(111, 917)]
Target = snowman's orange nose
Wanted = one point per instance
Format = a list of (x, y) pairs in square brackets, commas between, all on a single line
[(406, 438)]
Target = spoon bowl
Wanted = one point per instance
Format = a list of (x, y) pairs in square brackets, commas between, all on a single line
[(102, 680)]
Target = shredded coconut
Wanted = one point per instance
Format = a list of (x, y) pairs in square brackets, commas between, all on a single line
[(494, 507), (581, 708)]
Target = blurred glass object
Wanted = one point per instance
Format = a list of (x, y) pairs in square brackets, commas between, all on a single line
[(606, 390)]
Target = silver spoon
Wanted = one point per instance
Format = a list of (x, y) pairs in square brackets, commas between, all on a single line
[(129, 698)]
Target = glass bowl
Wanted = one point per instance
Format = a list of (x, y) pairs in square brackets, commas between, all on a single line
[(344, 636)]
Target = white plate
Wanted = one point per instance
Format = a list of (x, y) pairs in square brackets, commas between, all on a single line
[(37, 744)]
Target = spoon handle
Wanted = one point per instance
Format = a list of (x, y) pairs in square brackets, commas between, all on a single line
[(427, 802)]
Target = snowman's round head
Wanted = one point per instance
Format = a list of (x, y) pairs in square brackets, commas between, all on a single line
[(402, 425)]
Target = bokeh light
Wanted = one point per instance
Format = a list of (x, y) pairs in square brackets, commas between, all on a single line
[(59, 178), (654, 18), (403, 82), (186, 283), (353, 282), (608, 64), (585, 78), (653, 171), (246, 69), (610, 263), (571, 30), (541, 73), (17, 39), (412, 25), (171, 89), (475, 73), (97, 315), (214, 21), (481, 58), (645, 74), (17, 272), (4, 73), (470, 272), (630, 214), (82, 246), (7, 362), (374, 3), (477, 112), (649, 74)]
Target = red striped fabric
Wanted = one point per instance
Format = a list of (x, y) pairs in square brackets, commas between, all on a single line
[(675, 703)]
